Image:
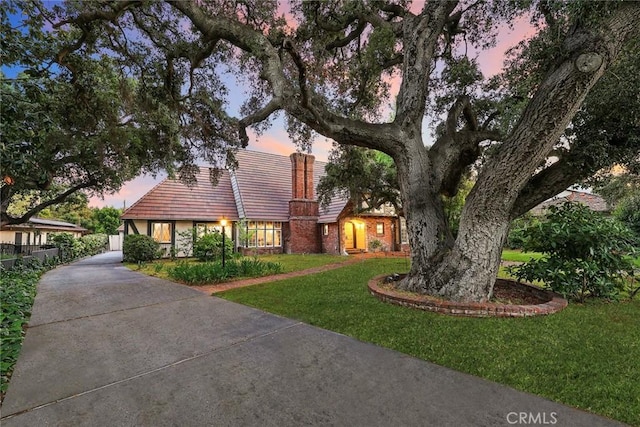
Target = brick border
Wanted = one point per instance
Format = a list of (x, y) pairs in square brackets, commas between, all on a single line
[(549, 302)]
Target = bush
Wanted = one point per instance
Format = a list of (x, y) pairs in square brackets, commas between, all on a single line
[(518, 230), (209, 247), (140, 248), (66, 243), (94, 243), (628, 211), (585, 254), (212, 272)]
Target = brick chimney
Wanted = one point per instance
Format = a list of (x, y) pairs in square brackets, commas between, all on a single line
[(303, 208)]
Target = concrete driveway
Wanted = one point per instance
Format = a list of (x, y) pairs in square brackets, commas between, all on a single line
[(110, 347)]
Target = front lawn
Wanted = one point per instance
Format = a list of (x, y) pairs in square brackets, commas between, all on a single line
[(294, 262), (585, 356)]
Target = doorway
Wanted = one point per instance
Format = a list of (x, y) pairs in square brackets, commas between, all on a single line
[(354, 236)]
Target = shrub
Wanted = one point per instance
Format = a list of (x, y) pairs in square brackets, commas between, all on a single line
[(94, 243), (212, 272), (66, 243), (140, 248), (209, 247), (585, 254), (518, 230), (628, 211), (375, 245)]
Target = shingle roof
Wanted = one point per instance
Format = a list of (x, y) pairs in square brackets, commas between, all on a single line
[(592, 201), (259, 189), (174, 200), (52, 224), (264, 181)]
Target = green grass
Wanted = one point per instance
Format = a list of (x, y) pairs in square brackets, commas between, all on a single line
[(519, 256), (585, 356), (294, 262)]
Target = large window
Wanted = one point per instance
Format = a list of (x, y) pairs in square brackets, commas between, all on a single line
[(203, 228), (404, 235), (264, 234), (161, 232)]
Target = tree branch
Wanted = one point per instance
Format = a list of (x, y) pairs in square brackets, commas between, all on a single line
[(9, 220), (274, 105), (544, 185), (349, 38), (420, 39)]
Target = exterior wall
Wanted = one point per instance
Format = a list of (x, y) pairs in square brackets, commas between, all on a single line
[(143, 226), (386, 237), (33, 236), (261, 251), (370, 233), (331, 240)]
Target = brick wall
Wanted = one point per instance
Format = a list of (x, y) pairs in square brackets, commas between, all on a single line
[(302, 235), (330, 242), (386, 237)]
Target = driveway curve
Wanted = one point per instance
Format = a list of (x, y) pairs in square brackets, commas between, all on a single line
[(107, 346)]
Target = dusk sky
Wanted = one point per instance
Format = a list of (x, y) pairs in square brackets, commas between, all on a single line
[(276, 140)]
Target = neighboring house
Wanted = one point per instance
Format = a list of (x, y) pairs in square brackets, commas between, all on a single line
[(36, 231), (273, 198), (592, 201)]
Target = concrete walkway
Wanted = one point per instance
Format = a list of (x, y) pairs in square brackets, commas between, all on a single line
[(110, 347)]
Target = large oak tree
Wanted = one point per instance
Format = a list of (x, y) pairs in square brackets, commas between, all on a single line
[(327, 67)]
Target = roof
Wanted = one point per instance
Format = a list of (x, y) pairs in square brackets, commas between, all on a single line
[(46, 224), (259, 189), (592, 201), (174, 200)]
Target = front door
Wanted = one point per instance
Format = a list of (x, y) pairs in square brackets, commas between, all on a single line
[(349, 235)]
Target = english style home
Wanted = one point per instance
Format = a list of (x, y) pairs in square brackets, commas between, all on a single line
[(273, 198)]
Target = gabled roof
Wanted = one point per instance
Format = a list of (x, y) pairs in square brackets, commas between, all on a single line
[(264, 186), (593, 201), (259, 189), (46, 224), (174, 200)]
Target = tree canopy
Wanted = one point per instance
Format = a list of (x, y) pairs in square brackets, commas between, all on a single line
[(61, 131), (328, 68)]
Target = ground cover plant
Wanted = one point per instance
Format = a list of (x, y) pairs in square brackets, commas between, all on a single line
[(17, 292), (585, 356)]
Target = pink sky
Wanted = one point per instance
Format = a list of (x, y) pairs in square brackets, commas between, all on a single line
[(277, 141)]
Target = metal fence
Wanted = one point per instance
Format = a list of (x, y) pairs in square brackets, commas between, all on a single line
[(14, 254), (11, 249)]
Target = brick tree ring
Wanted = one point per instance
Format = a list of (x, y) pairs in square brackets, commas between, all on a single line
[(538, 301)]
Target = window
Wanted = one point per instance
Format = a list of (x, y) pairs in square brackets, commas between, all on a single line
[(380, 228), (203, 228), (161, 232), (404, 236), (325, 229), (264, 234)]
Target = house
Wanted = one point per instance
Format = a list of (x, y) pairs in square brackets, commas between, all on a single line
[(269, 202), (37, 230), (592, 201)]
